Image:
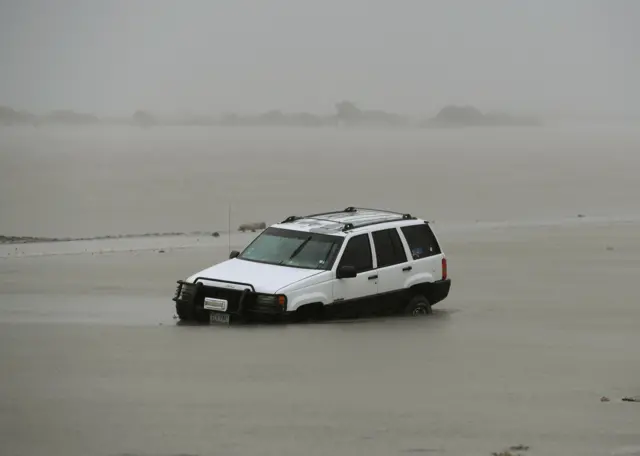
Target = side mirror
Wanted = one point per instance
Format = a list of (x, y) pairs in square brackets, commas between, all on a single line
[(233, 254), (346, 272)]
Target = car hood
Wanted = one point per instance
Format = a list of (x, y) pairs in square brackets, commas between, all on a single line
[(265, 278)]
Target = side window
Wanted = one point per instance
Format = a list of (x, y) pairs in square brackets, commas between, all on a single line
[(389, 249), (358, 253), (422, 242)]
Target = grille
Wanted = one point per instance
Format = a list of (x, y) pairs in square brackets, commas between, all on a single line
[(232, 296), (188, 292)]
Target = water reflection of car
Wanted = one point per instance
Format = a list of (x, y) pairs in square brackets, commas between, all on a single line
[(343, 263)]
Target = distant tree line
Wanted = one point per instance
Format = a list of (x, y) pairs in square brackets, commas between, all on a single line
[(9, 116), (347, 114), (469, 116)]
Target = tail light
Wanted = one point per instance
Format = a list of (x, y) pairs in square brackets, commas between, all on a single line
[(444, 268)]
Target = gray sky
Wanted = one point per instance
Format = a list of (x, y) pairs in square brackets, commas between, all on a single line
[(112, 57)]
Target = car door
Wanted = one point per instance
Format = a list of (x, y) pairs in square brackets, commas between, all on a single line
[(355, 291), (392, 264)]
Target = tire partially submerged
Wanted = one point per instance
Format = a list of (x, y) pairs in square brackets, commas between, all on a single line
[(418, 306)]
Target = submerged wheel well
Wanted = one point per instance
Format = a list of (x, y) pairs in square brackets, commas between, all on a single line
[(423, 288), (312, 310)]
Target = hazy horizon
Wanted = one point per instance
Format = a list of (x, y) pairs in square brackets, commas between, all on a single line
[(561, 58), (535, 347)]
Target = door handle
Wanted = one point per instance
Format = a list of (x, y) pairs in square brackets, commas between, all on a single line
[(373, 277), (408, 268)]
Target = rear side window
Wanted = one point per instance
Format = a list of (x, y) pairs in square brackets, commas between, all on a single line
[(422, 242), (389, 249), (358, 253)]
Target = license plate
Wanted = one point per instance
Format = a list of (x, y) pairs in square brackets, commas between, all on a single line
[(216, 304), (219, 318)]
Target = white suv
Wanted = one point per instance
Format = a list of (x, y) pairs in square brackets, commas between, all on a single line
[(335, 264)]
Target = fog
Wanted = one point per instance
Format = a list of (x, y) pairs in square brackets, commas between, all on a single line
[(564, 59), (165, 158)]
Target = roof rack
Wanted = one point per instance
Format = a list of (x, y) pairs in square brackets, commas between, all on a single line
[(293, 218), (356, 209), (348, 225), (351, 226)]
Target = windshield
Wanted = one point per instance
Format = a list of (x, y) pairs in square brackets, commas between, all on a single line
[(293, 248)]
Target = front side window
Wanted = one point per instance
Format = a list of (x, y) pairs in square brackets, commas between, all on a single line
[(358, 253), (296, 249)]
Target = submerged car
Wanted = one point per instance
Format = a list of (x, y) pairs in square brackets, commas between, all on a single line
[(343, 263)]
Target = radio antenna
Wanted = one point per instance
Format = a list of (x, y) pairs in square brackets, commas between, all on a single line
[(229, 228)]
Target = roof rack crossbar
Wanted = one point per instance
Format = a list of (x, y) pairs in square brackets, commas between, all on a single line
[(356, 209), (349, 225), (293, 218), (324, 213), (313, 217)]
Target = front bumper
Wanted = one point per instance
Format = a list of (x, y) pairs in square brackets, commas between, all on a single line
[(243, 303)]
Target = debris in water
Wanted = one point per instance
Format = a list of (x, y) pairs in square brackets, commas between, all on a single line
[(160, 251), (631, 399), (512, 448), (421, 450)]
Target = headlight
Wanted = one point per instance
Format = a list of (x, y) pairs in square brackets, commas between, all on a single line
[(272, 300), (266, 299)]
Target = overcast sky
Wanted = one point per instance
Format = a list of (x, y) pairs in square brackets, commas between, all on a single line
[(112, 57)]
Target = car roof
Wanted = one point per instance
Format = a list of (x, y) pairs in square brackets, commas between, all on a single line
[(346, 221)]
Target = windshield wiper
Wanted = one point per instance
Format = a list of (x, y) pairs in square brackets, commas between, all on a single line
[(297, 250)]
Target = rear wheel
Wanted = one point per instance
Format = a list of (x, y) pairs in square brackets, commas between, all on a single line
[(418, 306)]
